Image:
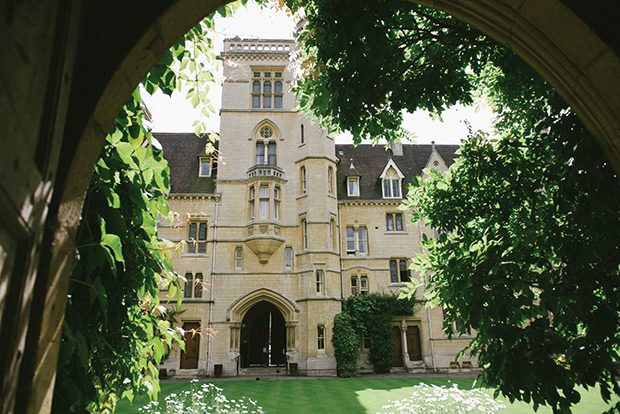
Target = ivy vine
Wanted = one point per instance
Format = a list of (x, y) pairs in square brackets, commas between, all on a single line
[(367, 315)]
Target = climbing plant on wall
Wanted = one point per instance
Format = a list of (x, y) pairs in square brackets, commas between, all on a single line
[(367, 315)]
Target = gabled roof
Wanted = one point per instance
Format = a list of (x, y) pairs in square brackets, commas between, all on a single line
[(370, 162), (183, 152)]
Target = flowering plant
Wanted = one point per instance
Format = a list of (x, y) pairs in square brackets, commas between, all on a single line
[(203, 399), (432, 399)]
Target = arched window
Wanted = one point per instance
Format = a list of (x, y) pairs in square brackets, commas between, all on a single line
[(266, 146), (391, 184)]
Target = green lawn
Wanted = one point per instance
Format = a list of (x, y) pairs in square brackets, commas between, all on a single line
[(339, 396)]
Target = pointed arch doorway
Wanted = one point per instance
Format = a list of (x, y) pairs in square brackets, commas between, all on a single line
[(263, 336)]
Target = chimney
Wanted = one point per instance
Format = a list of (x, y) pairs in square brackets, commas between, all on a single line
[(397, 149)]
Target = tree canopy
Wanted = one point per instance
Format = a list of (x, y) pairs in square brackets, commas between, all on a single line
[(528, 255)]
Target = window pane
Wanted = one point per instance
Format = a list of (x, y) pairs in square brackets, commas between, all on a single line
[(267, 74), (255, 101), (288, 260), (276, 210), (319, 281), (387, 190), (189, 286), (301, 133), (277, 87), (395, 188), (238, 257), (399, 222), (389, 222), (353, 189), (257, 74), (304, 229), (202, 247), (350, 239), (267, 101), (205, 168), (363, 246), (276, 192), (272, 153), (277, 101), (252, 210), (202, 233), (267, 87), (393, 271), (260, 153), (353, 285), (256, 86), (264, 208), (404, 272), (198, 285), (191, 244), (278, 74)]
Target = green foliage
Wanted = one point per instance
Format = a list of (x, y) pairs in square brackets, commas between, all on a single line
[(395, 55), (113, 339), (529, 254), (370, 314), (346, 346), (114, 335)]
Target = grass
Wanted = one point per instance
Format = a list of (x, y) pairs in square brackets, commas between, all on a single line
[(340, 396)]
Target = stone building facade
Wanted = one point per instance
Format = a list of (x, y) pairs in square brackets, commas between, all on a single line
[(283, 225)]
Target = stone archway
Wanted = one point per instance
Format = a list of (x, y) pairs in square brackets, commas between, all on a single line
[(263, 337), (69, 67)]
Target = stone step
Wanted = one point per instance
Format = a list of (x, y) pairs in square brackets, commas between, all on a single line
[(262, 371)]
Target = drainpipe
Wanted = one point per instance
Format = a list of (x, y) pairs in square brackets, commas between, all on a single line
[(340, 258), (212, 288), (428, 310)]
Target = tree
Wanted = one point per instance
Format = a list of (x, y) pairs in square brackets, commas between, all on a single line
[(528, 256)]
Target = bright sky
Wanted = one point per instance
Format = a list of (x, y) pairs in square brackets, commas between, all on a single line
[(177, 115)]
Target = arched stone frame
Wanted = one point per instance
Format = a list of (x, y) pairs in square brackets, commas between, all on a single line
[(547, 34), (266, 122), (560, 46), (287, 307)]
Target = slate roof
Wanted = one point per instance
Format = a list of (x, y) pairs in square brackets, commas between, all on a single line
[(369, 162), (183, 152)]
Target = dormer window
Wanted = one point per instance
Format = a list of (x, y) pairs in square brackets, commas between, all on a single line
[(391, 181), (353, 186), (267, 89), (205, 167)]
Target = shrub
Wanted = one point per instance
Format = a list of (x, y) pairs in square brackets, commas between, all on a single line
[(427, 399), (346, 346), (370, 314), (203, 399)]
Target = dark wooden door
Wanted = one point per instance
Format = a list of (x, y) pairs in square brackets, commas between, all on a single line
[(413, 343), (189, 358), (398, 347)]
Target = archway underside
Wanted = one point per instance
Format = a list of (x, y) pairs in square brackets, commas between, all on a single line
[(546, 34)]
